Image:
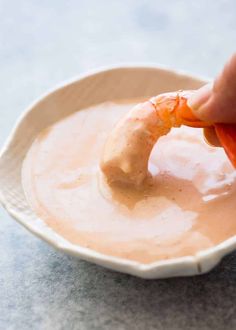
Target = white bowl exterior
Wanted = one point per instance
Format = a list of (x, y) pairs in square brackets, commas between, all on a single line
[(107, 85)]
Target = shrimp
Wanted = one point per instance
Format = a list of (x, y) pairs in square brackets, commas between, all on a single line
[(128, 147)]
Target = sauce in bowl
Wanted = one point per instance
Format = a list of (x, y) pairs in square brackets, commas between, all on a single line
[(187, 206)]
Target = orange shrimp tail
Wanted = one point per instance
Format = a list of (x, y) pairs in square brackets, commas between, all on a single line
[(226, 134), (173, 109), (184, 114)]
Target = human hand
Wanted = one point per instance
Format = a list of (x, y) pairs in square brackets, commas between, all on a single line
[(216, 102)]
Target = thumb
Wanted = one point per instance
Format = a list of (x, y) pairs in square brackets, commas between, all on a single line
[(216, 102)]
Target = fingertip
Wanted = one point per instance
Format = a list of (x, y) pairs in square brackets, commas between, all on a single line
[(199, 98)]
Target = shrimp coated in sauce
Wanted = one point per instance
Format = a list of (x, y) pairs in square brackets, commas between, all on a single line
[(128, 147)]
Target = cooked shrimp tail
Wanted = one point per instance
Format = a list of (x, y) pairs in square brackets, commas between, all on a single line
[(226, 134)]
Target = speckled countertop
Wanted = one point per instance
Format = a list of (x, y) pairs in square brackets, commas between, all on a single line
[(45, 42)]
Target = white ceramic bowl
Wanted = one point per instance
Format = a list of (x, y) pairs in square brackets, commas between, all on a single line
[(115, 83)]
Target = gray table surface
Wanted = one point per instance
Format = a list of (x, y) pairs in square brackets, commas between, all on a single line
[(43, 43)]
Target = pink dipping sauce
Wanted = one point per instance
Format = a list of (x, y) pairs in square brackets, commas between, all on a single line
[(189, 206)]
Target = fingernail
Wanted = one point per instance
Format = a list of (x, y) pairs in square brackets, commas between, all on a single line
[(199, 98)]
